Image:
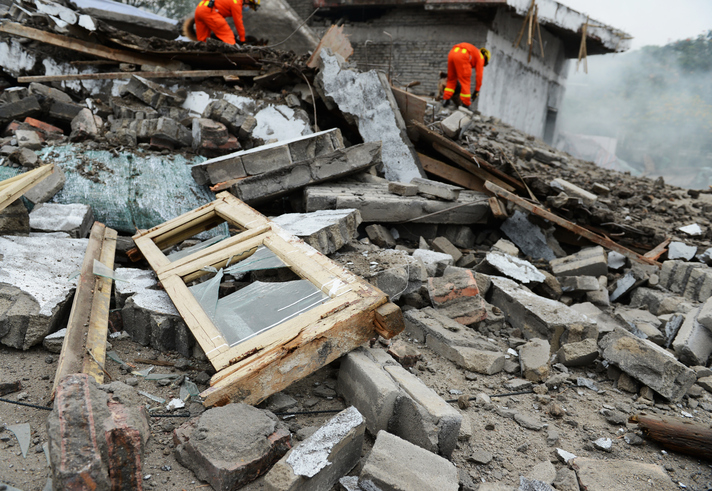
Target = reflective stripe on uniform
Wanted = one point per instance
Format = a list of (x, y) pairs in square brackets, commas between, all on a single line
[(449, 90), (457, 50), (465, 95), (464, 51)]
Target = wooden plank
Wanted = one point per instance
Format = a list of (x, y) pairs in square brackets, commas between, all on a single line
[(253, 380), (498, 210), (471, 167), (73, 348), (334, 39), (577, 229), (87, 48), (128, 75), (452, 174), (153, 254), (412, 108), (14, 187), (99, 319), (434, 137), (238, 212), (659, 250)]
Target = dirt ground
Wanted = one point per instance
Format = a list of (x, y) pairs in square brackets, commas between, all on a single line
[(572, 413)]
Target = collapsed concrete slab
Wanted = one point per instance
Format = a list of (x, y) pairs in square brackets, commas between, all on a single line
[(395, 464), (587, 262), (75, 219), (94, 441), (232, 445), (540, 317), (511, 267), (322, 459), (265, 158), (327, 231), (648, 363), (279, 182), (693, 342), (366, 100), (691, 280), (377, 205), (35, 289)]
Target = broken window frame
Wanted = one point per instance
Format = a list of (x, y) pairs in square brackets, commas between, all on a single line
[(355, 311)]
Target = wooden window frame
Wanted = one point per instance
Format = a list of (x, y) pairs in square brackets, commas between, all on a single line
[(271, 360)]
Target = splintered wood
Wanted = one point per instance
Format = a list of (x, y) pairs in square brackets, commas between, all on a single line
[(13, 188), (353, 311), (84, 346)]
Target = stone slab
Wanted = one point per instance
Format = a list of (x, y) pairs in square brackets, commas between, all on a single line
[(591, 261), (326, 231), (605, 475), (527, 236), (75, 219)]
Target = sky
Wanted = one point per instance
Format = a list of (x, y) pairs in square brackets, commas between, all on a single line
[(655, 22)]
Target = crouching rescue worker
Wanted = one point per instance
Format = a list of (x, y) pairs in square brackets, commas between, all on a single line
[(210, 17), (462, 59)]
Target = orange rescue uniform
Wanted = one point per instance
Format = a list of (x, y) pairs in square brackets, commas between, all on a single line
[(462, 59), (213, 19)]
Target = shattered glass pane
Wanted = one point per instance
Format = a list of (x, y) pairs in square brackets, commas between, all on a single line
[(263, 258), (260, 306), (22, 433), (104, 271), (197, 247), (206, 293)]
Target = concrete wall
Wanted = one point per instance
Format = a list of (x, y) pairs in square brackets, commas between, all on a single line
[(274, 21), (517, 92)]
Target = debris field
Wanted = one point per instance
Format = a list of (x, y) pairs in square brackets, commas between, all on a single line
[(237, 268)]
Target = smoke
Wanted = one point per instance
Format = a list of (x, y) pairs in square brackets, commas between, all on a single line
[(654, 103)]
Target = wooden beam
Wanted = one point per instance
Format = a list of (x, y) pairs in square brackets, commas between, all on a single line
[(128, 75), (335, 39), (412, 108), (452, 174), (85, 47), (577, 229), (498, 210), (434, 137), (88, 320), (471, 167), (14, 187), (678, 435), (659, 250)]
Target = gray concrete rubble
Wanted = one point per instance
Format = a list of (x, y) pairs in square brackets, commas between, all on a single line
[(528, 237), (230, 446), (648, 363), (440, 190), (35, 286), (540, 317), (693, 340), (456, 295), (691, 280), (441, 244), (641, 323), (587, 198), (377, 205), (326, 167), (264, 158), (366, 100), (601, 475), (395, 464), (76, 220), (534, 360), (588, 262), (15, 219), (318, 462), (457, 121), (327, 231), (511, 267), (435, 262)]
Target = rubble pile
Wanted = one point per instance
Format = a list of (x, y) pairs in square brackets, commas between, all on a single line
[(539, 310)]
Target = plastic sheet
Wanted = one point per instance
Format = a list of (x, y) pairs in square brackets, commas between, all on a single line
[(197, 247), (206, 293), (263, 258), (104, 271), (188, 390)]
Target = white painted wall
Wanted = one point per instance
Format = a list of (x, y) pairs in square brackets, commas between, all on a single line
[(518, 92)]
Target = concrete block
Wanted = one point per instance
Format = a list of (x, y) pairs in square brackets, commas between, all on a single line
[(366, 100), (65, 111), (587, 198), (326, 231), (680, 250), (604, 322), (15, 219), (211, 137), (275, 183), (511, 267), (616, 260), (452, 125), (403, 189), (505, 247), (705, 315), (578, 354), (441, 190), (631, 475), (84, 126), (381, 236), (441, 244), (459, 235), (693, 342), (35, 295), (648, 363), (19, 110), (48, 92), (75, 219), (95, 442), (47, 187), (457, 296), (540, 317), (659, 302), (152, 93), (172, 131), (534, 360), (528, 237), (579, 284), (674, 275), (25, 157), (312, 146), (28, 139), (228, 114), (323, 458), (641, 323), (435, 262), (587, 262), (363, 383), (699, 285), (423, 418), (230, 446), (377, 205)]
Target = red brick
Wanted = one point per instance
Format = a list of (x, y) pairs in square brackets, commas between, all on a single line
[(41, 125)]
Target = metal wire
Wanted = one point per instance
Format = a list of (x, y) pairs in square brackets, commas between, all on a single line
[(46, 408)]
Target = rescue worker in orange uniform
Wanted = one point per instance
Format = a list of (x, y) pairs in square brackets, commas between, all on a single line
[(462, 59), (210, 17)]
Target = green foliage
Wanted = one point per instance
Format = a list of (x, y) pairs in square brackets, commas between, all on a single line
[(657, 101)]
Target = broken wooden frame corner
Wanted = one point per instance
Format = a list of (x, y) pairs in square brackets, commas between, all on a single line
[(352, 312), (14, 187)]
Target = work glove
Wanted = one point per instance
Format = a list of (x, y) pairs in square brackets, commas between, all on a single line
[(477, 92), (447, 103)]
